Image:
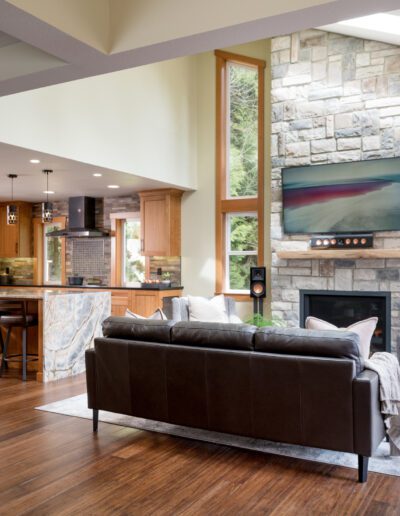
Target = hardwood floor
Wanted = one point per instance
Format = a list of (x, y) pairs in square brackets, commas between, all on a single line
[(53, 465)]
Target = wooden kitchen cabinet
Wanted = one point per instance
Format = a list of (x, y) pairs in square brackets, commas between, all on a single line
[(120, 301), (160, 217), (16, 239), (141, 302)]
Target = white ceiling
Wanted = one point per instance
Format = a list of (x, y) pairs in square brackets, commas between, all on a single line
[(69, 178)]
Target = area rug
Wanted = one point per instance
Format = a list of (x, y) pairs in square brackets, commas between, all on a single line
[(380, 463)]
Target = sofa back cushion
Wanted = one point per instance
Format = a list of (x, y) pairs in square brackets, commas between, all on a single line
[(128, 328), (364, 329), (297, 341), (214, 335), (202, 309)]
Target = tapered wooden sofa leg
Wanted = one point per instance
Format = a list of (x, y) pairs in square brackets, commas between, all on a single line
[(95, 419), (362, 468)]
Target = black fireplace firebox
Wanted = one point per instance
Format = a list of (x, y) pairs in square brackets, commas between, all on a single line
[(343, 308)]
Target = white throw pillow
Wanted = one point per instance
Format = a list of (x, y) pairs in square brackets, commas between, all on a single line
[(158, 315), (235, 319), (364, 329), (207, 310)]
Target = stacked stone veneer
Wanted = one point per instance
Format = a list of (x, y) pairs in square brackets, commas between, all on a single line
[(334, 99)]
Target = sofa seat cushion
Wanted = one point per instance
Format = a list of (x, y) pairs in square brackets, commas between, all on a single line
[(297, 341), (128, 328), (214, 335)]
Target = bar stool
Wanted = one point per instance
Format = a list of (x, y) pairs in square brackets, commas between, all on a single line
[(13, 315)]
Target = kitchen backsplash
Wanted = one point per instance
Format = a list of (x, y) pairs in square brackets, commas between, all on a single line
[(168, 264), (91, 257), (20, 268)]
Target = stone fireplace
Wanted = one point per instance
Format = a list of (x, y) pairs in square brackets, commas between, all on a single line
[(334, 98)]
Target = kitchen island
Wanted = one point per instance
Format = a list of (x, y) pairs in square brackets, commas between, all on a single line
[(68, 322), (140, 300)]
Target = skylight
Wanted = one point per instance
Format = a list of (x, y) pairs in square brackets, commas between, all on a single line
[(380, 27)]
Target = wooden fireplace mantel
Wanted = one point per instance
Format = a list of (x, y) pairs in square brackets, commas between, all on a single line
[(338, 254)]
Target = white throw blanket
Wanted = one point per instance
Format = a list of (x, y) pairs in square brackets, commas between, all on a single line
[(388, 369)]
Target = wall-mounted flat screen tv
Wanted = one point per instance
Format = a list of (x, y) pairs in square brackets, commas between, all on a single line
[(342, 197)]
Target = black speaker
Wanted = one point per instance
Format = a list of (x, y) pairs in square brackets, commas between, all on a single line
[(258, 282)]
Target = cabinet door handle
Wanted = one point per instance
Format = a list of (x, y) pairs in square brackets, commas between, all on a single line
[(16, 247)]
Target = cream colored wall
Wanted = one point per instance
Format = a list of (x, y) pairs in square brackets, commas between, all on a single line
[(198, 208), (139, 121), (143, 22), (119, 25), (86, 20)]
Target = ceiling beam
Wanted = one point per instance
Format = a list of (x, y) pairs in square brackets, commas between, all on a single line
[(85, 61)]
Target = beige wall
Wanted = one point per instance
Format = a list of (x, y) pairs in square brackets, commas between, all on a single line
[(198, 208), (143, 22), (140, 121), (86, 20), (119, 25)]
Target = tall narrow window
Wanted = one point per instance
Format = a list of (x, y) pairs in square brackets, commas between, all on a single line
[(133, 269), (240, 170), (52, 255)]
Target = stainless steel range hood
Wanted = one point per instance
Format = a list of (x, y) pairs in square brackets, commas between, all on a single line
[(81, 220)]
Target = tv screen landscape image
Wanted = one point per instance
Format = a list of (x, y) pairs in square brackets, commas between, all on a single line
[(362, 196)]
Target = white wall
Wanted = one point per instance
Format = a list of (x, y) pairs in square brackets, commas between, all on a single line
[(140, 121)]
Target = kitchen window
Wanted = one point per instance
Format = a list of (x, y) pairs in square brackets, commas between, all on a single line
[(133, 268), (239, 170), (49, 253), (52, 255), (128, 266)]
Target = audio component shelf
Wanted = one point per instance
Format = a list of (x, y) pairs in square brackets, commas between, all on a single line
[(338, 254)]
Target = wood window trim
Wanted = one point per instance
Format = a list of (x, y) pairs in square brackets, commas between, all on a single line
[(38, 241), (117, 235), (224, 205)]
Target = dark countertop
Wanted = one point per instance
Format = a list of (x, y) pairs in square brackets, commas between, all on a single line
[(94, 287)]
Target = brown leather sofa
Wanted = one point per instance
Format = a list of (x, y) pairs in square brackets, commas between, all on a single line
[(288, 385)]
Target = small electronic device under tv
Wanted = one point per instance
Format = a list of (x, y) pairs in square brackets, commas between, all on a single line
[(355, 197)]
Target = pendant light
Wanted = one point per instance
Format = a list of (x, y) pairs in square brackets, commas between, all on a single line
[(12, 209), (47, 207)]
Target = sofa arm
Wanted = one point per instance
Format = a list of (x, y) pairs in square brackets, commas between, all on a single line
[(90, 359), (369, 428)]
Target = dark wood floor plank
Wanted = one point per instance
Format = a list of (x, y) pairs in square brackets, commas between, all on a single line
[(54, 464)]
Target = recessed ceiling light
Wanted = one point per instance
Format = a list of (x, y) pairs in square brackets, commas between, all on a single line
[(48, 192), (34, 160), (112, 186), (97, 174)]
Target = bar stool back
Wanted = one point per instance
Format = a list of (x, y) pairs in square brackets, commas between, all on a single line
[(13, 315)]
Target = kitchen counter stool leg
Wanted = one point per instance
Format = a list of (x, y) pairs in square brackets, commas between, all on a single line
[(24, 357), (2, 349), (5, 346)]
